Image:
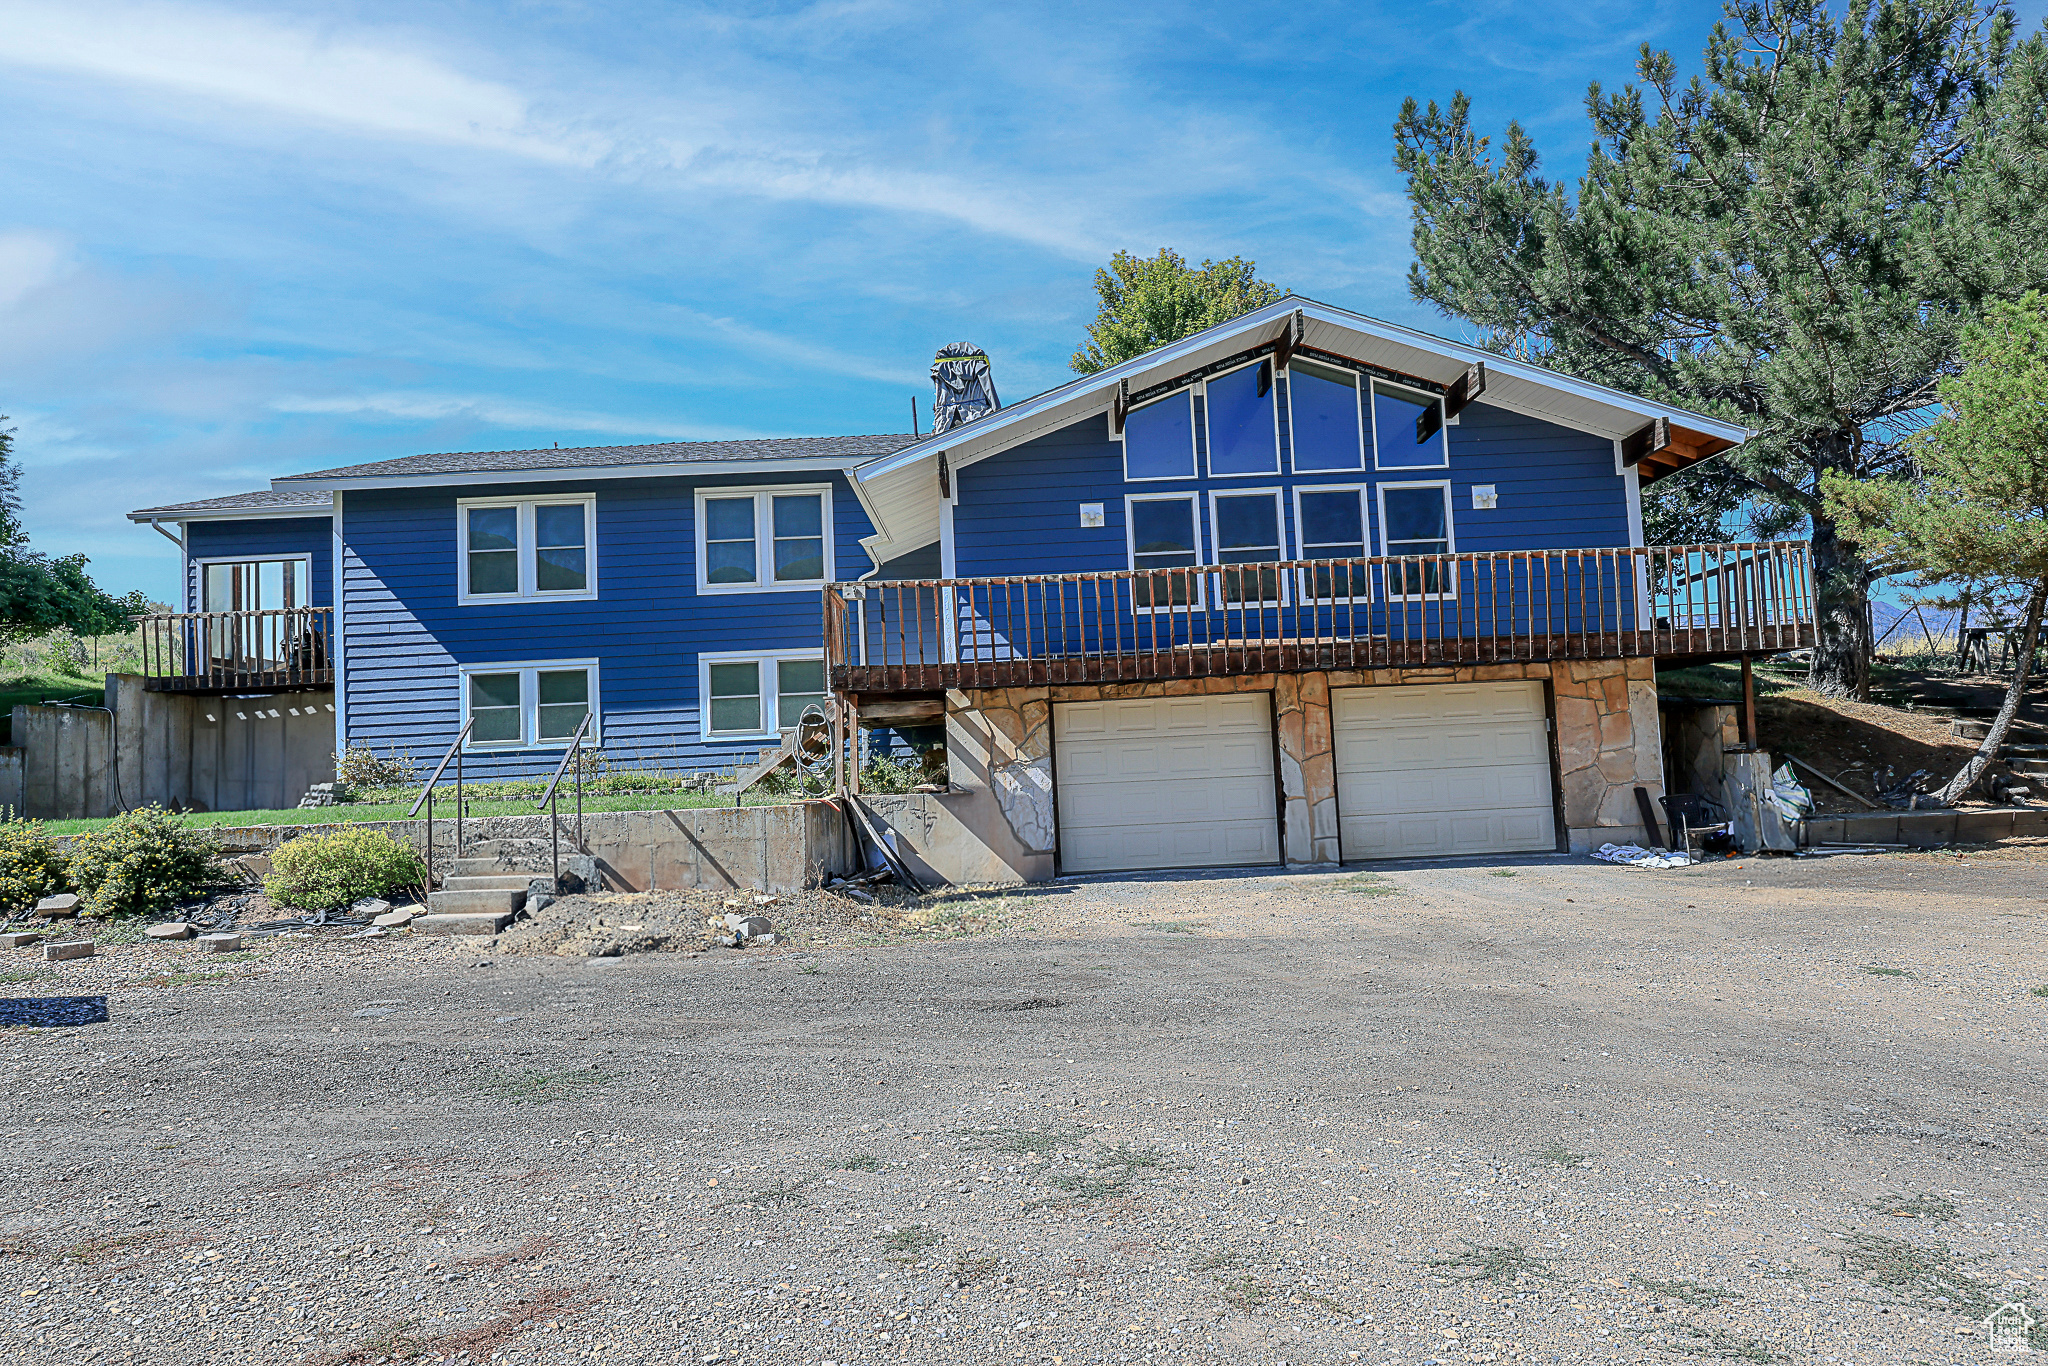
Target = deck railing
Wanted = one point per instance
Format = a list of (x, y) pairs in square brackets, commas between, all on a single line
[(283, 650), (1364, 613)]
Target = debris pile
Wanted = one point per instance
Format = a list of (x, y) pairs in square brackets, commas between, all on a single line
[(606, 925)]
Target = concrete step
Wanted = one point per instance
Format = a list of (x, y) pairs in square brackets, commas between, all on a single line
[(475, 867), (469, 922), (488, 882), (492, 901)]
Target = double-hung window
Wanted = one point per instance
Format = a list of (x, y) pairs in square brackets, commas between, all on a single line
[(763, 540), (1330, 525), (1397, 416), (1244, 422), (1415, 519), (526, 549), (751, 696), (1247, 531), (1162, 535), (526, 706)]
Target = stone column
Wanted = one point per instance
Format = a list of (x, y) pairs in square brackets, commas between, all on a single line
[(1308, 767)]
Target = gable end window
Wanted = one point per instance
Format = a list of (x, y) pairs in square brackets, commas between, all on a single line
[(1395, 415), (1244, 422), (525, 549), (764, 540), (1323, 405), (531, 705), (1159, 439)]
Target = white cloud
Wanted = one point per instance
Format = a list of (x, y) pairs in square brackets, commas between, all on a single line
[(28, 262)]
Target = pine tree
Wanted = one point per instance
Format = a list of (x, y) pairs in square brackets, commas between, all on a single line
[(1149, 301), (1792, 240), (1975, 506)]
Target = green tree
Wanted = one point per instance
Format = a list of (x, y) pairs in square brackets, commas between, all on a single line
[(40, 594), (1148, 301), (1975, 503), (1791, 240)]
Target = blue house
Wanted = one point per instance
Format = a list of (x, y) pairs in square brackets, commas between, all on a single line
[(1306, 587)]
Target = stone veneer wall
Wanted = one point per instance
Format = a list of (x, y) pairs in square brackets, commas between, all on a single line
[(1607, 743)]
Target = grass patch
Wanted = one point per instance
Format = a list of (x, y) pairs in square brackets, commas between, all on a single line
[(910, 1240), (968, 1268), (2041, 990), (810, 969), (1507, 1262), (536, 1088), (1500, 872), (1926, 1205), (862, 1162), (1111, 1172), (1686, 1292), (783, 1192), (1368, 884), (1244, 1291), (395, 811), (1557, 1155), (1719, 1342), (14, 975), (1929, 1277), (1044, 1141), (1877, 971), (954, 915)]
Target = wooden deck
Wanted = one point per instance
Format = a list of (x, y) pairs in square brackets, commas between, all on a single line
[(223, 653)]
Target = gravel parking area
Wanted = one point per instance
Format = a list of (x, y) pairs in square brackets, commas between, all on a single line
[(1544, 1110)]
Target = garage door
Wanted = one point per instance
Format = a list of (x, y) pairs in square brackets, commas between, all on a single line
[(1456, 768), (1167, 782)]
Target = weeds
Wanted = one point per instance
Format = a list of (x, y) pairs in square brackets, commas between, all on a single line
[(1492, 1262), (862, 1162), (1719, 1342), (1172, 926), (1925, 1277), (2041, 990), (968, 1268), (1213, 1261), (1877, 971), (13, 976), (1244, 1290), (783, 1192), (1368, 884), (810, 969), (1500, 872), (912, 1239), (1044, 1142), (1686, 1292), (1112, 1172), (1926, 1205), (537, 1088), (400, 1343), (1129, 1161), (1557, 1155)]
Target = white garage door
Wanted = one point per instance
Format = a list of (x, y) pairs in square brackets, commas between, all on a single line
[(1455, 768), (1167, 782)]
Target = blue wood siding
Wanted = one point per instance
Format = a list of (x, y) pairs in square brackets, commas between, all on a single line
[(265, 538), (405, 635)]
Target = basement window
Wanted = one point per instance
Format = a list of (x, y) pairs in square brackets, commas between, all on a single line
[(527, 706), (524, 550), (756, 697)]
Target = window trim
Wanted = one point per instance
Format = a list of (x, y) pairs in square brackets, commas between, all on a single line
[(528, 551), (1358, 491), (1443, 433), (764, 537), (1209, 436), (1450, 536), (529, 703), (1359, 388), (201, 562), (1199, 599), (771, 689), (1123, 440), (1279, 497)]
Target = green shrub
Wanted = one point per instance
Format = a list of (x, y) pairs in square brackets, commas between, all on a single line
[(30, 869), (339, 867), (142, 862)]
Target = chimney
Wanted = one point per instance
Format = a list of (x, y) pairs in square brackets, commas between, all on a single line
[(963, 389)]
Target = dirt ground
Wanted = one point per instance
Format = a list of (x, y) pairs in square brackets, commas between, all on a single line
[(1544, 1110)]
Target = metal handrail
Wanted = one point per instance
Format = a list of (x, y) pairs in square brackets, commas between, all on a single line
[(547, 799), (427, 796)]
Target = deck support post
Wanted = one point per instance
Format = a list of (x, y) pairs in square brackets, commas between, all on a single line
[(1747, 717)]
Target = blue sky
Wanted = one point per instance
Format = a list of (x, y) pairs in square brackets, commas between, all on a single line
[(242, 241)]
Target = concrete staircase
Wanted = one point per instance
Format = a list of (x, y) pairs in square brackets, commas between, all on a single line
[(483, 892)]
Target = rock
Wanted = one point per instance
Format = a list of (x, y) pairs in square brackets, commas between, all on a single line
[(398, 919), (253, 867), (761, 899), (370, 906), (77, 948), (175, 929), (220, 943), (19, 941), (59, 907)]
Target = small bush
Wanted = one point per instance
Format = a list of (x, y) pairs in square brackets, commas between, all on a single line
[(30, 869), (340, 867), (361, 767), (141, 863)]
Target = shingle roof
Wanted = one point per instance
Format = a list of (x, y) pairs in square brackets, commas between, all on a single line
[(850, 449), (287, 500)]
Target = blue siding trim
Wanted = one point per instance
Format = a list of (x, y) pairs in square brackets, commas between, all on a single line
[(407, 636), (258, 539)]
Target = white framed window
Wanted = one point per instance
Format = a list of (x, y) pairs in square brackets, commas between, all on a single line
[(1395, 412), (776, 539), (1330, 524), (1245, 528), (1160, 532), (752, 696), (1159, 439), (1326, 415), (249, 585), (534, 704), (1415, 519), (1243, 417), (526, 549)]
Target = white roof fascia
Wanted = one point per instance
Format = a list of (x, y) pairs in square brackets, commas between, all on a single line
[(235, 514), (577, 474)]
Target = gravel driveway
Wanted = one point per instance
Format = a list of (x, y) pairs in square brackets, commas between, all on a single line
[(1538, 1111)]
